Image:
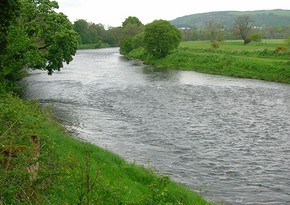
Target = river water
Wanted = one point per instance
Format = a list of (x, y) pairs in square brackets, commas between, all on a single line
[(227, 138)]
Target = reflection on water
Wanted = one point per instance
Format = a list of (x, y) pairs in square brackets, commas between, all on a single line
[(229, 136)]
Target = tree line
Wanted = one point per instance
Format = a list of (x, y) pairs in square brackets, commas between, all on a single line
[(244, 28), (234, 33)]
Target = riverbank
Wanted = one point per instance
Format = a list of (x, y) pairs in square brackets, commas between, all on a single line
[(42, 164), (268, 60), (93, 46)]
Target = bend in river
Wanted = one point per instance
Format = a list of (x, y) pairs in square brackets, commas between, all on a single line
[(228, 137)]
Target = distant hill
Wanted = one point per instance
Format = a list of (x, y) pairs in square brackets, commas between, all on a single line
[(262, 18)]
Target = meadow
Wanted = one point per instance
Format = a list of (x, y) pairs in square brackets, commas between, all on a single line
[(267, 60)]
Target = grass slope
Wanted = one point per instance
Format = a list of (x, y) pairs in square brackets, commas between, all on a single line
[(70, 171)]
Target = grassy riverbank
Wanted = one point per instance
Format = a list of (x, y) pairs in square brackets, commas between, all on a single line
[(268, 60), (63, 170)]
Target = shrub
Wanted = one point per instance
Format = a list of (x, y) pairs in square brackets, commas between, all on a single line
[(256, 37), (160, 38), (280, 49), (214, 44)]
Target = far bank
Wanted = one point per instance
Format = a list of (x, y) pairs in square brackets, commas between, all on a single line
[(267, 60)]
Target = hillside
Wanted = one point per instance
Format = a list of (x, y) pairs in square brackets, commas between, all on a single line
[(262, 18)]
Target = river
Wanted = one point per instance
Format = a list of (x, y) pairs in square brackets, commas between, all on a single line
[(227, 138)]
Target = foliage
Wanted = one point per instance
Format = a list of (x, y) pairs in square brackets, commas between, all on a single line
[(131, 36), (213, 31), (89, 33), (256, 37), (39, 38), (243, 26), (131, 20), (160, 38), (214, 44), (9, 9), (126, 45)]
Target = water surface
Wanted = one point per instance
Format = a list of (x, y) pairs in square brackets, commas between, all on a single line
[(227, 137)]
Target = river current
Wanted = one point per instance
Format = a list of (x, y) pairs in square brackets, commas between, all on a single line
[(227, 138)]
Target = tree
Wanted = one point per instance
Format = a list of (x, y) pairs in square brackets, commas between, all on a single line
[(131, 27), (190, 34), (160, 38), (243, 25), (131, 20), (40, 38), (81, 26), (8, 12), (113, 36), (256, 37), (214, 32)]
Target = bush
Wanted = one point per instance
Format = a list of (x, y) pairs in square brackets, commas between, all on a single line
[(280, 49), (160, 38), (126, 45), (256, 37), (214, 44)]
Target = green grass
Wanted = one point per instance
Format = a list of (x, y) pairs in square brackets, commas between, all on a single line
[(235, 45), (71, 171), (232, 58)]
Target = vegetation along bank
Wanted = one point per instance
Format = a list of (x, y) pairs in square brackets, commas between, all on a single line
[(268, 60), (265, 61), (158, 44)]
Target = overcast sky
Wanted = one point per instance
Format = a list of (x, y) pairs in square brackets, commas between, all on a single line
[(114, 12)]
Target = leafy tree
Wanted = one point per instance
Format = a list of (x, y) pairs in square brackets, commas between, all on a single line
[(131, 20), (8, 11), (113, 36), (81, 26), (126, 45), (39, 38), (131, 27), (256, 37), (213, 31), (91, 33), (190, 34), (243, 26), (161, 37)]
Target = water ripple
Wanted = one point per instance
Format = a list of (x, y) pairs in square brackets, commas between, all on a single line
[(226, 138)]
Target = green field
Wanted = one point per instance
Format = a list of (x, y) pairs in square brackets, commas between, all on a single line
[(235, 45), (268, 60), (70, 171)]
